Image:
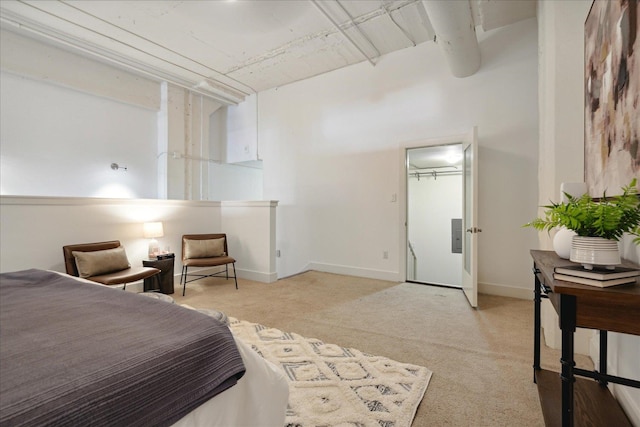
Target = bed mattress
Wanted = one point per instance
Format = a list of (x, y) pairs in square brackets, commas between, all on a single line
[(77, 353)]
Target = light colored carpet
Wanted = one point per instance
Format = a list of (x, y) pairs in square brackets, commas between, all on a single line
[(331, 385), (481, 358)]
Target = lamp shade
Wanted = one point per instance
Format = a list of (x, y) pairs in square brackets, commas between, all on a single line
[(151, 230)]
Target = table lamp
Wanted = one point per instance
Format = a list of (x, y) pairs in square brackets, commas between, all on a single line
[(151, 230)]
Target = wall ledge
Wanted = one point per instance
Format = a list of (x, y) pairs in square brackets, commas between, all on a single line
[(249, 203), (80, 201), (629, 404)]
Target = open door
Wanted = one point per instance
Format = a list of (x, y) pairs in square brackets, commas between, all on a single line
[(469, 217)]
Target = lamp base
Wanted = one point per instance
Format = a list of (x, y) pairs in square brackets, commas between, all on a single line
[(154, 248)]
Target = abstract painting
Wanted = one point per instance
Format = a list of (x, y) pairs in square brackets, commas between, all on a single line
[(612, 95)]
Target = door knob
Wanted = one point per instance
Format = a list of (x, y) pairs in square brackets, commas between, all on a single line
[(474, 230)]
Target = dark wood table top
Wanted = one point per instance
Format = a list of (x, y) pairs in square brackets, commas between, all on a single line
[(614, 308), (546, 261)]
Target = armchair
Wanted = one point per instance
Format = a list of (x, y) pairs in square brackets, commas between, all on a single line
[(205, 250), (103, 262)]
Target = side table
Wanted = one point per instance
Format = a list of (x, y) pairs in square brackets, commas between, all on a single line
[(162, 281), (572, 397)]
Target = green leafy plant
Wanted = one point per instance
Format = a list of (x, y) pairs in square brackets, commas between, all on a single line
[(610, 217)]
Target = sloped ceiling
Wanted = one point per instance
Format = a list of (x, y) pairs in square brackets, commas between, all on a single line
[(230, 49)]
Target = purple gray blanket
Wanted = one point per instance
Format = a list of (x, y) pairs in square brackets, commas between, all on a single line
[(73, 353)]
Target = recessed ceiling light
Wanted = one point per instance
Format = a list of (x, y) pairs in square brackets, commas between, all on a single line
[(453, 158)]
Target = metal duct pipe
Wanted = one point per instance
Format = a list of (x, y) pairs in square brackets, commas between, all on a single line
[(455, 34)]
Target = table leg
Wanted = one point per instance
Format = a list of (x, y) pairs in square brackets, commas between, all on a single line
[(603, 356), (568, 327), (537, 323)]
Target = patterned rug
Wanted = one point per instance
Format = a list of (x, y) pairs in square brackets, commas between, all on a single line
[(336, 386)]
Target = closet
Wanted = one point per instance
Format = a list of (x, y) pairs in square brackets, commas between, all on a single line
[(434, 212)]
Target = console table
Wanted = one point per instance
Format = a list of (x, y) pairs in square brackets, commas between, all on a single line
[(573, 397)]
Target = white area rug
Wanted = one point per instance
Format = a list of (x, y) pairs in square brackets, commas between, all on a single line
[(335, 386)]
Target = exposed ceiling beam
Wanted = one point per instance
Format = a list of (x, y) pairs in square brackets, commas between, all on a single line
[(339, 28), (226, 51), (188, 79)]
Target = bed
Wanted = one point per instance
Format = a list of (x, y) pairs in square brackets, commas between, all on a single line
[(73, 352)]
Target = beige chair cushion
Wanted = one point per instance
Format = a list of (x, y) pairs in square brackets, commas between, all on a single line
[(204, 248), (106, 261)]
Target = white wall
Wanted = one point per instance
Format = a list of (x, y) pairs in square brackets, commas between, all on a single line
[(561, 145), (233, 141), (562, 153), (25, 56), (189, 150), (234, 182), (242, 131), (561, 115), (65, 118), (432, 205), (331, 146), (61, 142), (34, 229), (250, 228)]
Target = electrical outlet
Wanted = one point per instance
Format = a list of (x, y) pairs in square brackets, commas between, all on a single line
[(385, 255)]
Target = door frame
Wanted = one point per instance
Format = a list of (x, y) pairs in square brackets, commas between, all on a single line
[(470, 225), (403, 196)]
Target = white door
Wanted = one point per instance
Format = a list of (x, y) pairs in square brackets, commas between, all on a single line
[(469, 218)]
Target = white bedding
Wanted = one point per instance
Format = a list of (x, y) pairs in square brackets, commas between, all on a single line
[(259, 399)]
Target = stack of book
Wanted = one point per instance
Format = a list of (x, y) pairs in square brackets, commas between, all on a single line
[(600, 277)]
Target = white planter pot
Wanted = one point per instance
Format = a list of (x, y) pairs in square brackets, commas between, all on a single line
[(562, 242), (590, 251)]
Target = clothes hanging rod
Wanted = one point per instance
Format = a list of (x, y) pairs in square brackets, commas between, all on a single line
[(434, 171), (433, 174), (434, 167)]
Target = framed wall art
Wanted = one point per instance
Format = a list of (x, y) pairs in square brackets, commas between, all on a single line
[(612, 95)]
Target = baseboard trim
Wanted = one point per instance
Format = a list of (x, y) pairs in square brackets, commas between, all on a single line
[(629, 404), (505, 291), (594, 349), (369, 273), (257, 276), (483, 288)]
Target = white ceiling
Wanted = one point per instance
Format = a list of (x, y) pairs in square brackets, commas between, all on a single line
[(230, 49)]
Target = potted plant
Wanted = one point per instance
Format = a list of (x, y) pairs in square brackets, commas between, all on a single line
[(598, 224)]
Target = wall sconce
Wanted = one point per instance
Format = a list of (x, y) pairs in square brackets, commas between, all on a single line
[(115, 167), (151, 230)]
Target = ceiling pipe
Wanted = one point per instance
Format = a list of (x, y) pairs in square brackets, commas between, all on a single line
[(455, 34)]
